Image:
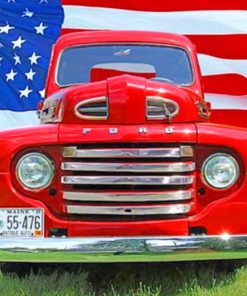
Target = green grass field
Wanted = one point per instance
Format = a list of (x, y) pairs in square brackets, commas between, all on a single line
[(182, 279)]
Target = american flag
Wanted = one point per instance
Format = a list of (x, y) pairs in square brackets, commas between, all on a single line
[(28, 28)]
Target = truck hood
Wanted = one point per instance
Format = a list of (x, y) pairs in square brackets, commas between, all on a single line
[(125, 99)]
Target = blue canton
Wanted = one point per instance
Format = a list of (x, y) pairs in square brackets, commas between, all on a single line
[(28, 29)]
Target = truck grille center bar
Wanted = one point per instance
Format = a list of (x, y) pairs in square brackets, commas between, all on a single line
[(128, 181)]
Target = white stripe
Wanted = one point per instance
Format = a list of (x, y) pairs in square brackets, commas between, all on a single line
[(227, 102), (10, 119), (212, 66), (185, 22)]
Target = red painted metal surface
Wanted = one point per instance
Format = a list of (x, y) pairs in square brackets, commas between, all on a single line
[(229, 117), (217, 211)]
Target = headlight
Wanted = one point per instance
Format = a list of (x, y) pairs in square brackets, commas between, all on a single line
[(220, 170), (35, 171)]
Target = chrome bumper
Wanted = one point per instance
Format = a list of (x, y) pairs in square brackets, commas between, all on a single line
[(123, 249)]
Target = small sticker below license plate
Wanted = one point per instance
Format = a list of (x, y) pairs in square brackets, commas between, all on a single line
[(21, 222)]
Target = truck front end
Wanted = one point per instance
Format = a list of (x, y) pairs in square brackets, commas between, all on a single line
[(125, 165)]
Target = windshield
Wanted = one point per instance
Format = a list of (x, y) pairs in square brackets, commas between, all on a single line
[(97, 62)]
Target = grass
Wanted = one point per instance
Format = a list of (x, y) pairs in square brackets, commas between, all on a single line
[(64, 257), (181, 279)]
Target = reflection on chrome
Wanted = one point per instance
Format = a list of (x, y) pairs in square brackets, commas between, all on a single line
[(128, 180), (129, 210), (163, 167), (131, 196), (123, 249), (225, 236), (166, 152)]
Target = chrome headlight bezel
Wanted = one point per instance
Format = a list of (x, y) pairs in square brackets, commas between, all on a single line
[(47, 162), (212, 183)]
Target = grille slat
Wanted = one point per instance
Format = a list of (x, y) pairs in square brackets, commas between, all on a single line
[(129, 196), (130, 167), (169, 152), (127, 210), (128, 180)]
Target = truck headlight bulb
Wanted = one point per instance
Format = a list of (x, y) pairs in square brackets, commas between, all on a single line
[(220, 170), (34, 171)]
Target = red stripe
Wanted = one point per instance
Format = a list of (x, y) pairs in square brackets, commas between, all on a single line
[(67, 31), (222, 46), (98, 74), (231, 84), (178, 5)]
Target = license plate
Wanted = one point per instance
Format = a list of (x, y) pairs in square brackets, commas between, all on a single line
[(21, 222)]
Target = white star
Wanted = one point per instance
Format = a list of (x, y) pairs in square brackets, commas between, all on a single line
[(33, 58), (11, 75), (27, 13), (17, 59), (25, 92), (40, 29), (0, 60), (18, 42), (42, 93), (1, 45), (11, 1), (43, 1), (6, 28), (30, 74)]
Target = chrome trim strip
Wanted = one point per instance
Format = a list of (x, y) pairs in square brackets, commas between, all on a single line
[(129, 210), (94, 109), (169, 152), (154, 108), (164, 101), (171, 167), (129, 196), (78, 110), (124, 249), (128, 180)]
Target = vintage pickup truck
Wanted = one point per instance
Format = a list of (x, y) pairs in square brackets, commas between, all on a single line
[(125, 165)]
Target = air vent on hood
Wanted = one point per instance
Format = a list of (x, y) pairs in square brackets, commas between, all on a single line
[(92, 109), (161, 108)]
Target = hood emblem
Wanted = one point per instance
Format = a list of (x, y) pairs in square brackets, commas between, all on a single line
[(159, 108)]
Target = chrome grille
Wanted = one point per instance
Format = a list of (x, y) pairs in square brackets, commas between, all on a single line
[(128, 181)]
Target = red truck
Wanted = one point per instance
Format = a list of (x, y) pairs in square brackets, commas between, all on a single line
[(125, 165)]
